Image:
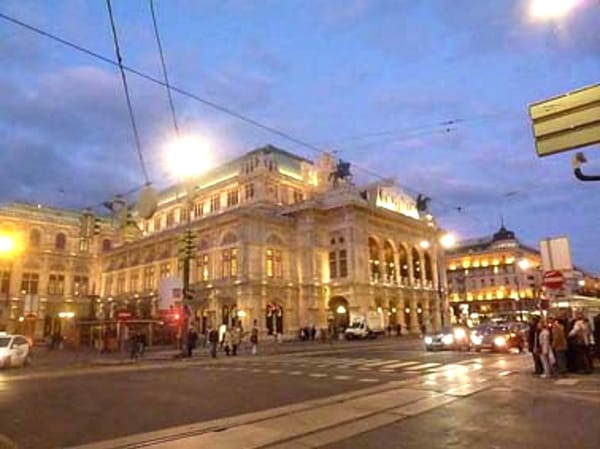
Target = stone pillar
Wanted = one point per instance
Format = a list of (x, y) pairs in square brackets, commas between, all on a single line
[(396, 279), (414, 316), (426, 315), (401, 305), (437, 314)]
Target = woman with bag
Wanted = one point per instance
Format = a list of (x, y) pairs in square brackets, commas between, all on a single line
[(545, 349)]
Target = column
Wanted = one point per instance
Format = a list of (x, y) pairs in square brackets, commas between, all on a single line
[(426, 315), (401, 305), (414, 316)]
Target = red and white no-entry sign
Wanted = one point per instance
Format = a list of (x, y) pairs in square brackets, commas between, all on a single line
[(553, 279)]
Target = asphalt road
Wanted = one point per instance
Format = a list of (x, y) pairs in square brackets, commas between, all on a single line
[(60, 408)]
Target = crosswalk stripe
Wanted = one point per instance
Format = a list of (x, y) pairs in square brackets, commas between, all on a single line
[(317, 375), (423, 366), (400, 364), (342, 377), (377, 363)]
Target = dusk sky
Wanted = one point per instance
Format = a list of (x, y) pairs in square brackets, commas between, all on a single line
[(431, 93)]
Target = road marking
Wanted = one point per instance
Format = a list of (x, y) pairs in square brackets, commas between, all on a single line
[(423, 366), (257, 370), (342, 377), (368, 379), (318, 375), (295, 373), (567, 382), (274, 371), (239, 368), (379, 362), (401, 364), (504, 373)]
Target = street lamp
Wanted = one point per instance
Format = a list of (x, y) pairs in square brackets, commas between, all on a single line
[(551, 9), (523, 264), (447, 241), (186, 159)]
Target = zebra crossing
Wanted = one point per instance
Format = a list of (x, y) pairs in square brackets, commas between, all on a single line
[(380, 365)]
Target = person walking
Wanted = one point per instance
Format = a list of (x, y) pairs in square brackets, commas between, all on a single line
[(545, 349), (213, 339), (254, 338), (559, 345), (597, 335), (534, 346), (236, 339), (192, 341), (227, 342), (581, 333)]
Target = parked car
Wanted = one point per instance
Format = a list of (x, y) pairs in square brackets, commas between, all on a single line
[(15, 350), (456, 337), (501, 338)]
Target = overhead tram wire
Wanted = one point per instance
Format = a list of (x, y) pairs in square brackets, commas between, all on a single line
[(164, 68), (181, 91), (136, 134)]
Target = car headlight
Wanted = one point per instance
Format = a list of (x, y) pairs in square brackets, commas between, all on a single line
[(428, 340), (460, 333), (500, 341), (448, 339), (476, 339)]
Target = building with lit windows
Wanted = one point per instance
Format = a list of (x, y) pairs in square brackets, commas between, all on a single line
[(49, 269), (277, 238), (494, 277)]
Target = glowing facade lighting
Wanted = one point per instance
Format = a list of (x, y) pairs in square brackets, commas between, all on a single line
[(340, 310), (524, 264), (7, 244), (447, 241), (424, 244), (551, 9)]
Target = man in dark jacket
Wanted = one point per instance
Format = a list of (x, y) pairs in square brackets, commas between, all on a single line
[(192, 340), (213, 339), (534, 345)]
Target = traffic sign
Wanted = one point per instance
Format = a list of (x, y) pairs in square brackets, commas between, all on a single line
[(553, 279)]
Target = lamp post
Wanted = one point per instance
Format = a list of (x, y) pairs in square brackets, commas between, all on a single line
[(447, 241), (186, 160), (523, 265)]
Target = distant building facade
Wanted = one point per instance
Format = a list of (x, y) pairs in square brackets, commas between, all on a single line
[(278, 239), (494, 277)]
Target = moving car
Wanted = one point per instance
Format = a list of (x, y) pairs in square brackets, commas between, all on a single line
[(15, 350), (500, 338), (449, 338)]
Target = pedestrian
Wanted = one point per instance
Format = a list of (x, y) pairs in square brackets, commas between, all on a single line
[(192, 340), (398, 329), (533, 345), (545, 349), (213, 339), (559, 345), (254, 338), (313, 332), (581, 334), (236, 339), (227, 341), (389, 330)]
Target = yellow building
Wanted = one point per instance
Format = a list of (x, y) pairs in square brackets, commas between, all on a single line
[(277, 239), (493, 277), (49, 269)]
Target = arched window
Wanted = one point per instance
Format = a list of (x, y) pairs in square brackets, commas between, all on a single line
[(374, 264), (403, 261), (416, 263), (60, 241), (35, 238), (390, 268), (428, 267), (106, 245)]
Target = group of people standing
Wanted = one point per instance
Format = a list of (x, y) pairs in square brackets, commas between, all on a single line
[(559, 345), (230, 338)]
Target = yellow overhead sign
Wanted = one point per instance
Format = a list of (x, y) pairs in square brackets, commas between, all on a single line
[(567, 122)]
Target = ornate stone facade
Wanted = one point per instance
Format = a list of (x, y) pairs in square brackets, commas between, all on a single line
[(281, 240)]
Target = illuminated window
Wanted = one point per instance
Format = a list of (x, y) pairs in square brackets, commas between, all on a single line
[(149, 279), (184, 215), (249, 191), (215, 203), (56, 284), (80, 285), (274, 263), (233, 198), (4, 282), (198, 209), (333, 264), (164, 270), (157, 223), (120, 284), (229, 263), (203, 273), (374, 264), (388, 257), (170, 219), (343, 260)]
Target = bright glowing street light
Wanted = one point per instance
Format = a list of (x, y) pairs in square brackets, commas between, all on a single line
[(7, 244), (188, 157), (524, 264), (551, 9), (448, 241), (424, 244)]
